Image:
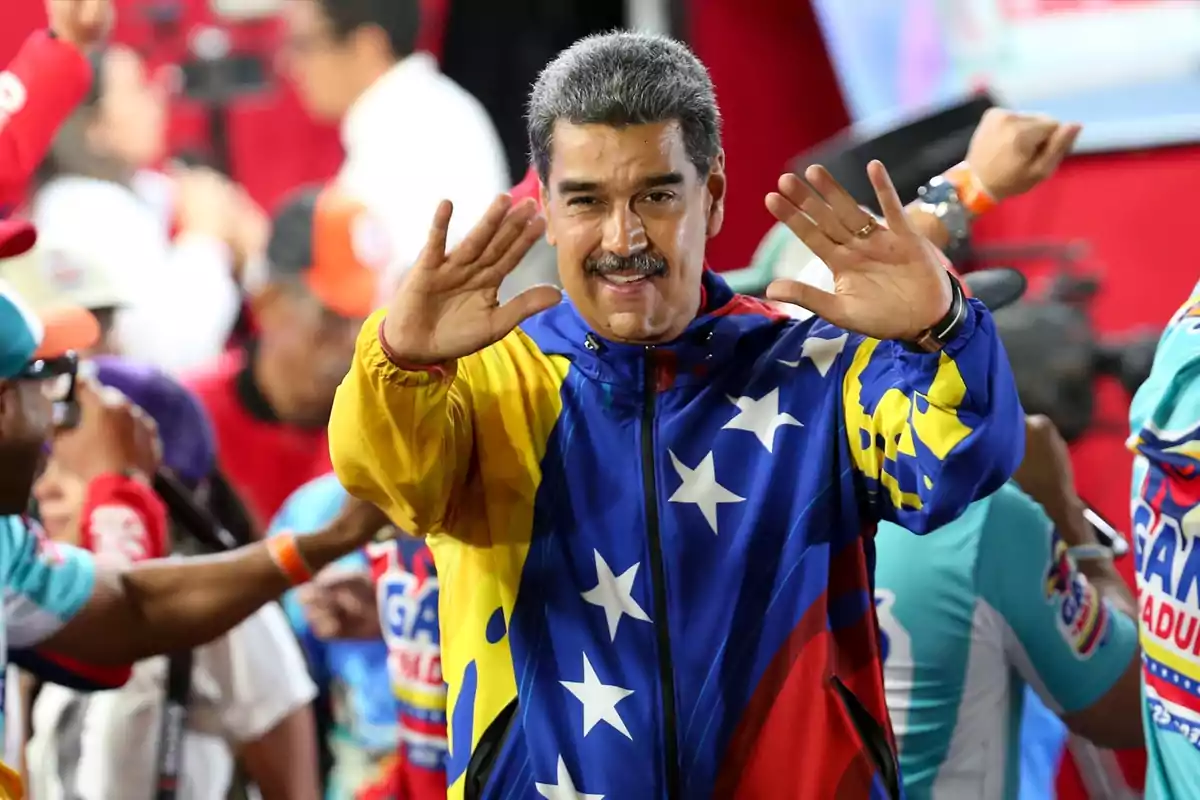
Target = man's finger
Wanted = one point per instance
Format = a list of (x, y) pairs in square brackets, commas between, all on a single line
[(439, 230), (481, 235), (805, 229), (533, 300), (804, 197), (510, 230), (534, 229), (841, 201), (889, 200), (90, 394), (820, 302), (1056, 148)]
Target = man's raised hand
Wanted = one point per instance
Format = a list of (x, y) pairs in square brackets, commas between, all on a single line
[(447, 305), (889, 281)]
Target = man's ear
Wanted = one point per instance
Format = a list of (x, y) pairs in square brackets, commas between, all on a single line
[(544, 200), (716, 186)]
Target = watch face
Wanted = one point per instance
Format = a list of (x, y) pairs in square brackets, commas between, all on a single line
[(245, 9)]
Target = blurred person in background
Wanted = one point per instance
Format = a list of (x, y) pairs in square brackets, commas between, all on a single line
[(42, 86), (60, 274), (338, 625), (1017, 591), (412, 136), (98, 193), (269, 402), (249, 696), (1165, 423)]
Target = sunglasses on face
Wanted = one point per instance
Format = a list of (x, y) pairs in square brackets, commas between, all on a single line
[(58, 379)]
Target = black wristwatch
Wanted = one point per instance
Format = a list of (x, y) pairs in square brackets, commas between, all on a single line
[(936, 337)]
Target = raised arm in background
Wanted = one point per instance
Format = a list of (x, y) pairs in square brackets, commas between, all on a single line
[(98, 613), (42, 86), (1009, 154)]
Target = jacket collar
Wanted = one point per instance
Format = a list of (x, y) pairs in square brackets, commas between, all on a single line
[(723, 331)]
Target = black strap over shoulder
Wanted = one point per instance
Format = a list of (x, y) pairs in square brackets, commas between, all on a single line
[(173, 724)]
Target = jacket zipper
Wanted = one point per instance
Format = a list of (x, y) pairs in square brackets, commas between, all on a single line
[(666, 670)]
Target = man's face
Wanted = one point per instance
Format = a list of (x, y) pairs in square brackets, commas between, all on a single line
[(315, 344), (629, 215), (26, 417), (317, 61), (60, 495)]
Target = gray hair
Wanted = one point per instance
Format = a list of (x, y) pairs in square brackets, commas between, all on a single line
[(621, 79)]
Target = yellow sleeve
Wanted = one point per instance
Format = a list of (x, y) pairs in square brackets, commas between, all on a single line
[(401, 440), (932, 433)]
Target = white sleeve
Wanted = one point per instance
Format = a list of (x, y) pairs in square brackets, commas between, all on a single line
[(186, 308), (403, 190), (183, 300), (260, 673)]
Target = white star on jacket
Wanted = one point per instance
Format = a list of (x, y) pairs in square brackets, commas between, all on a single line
[(614, 593), (760, 417), (701, 488), (564, 789), (822, 352), (599, 700)]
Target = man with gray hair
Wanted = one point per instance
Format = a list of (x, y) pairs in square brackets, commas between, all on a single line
[(651, 506)]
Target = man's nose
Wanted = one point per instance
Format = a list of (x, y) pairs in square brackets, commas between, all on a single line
[(624, 234)]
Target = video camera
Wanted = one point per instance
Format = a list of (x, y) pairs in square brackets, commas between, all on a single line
[(1057, 355)]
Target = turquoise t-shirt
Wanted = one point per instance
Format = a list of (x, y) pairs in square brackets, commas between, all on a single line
[(45, 585), (1165, 420), (972, 613)]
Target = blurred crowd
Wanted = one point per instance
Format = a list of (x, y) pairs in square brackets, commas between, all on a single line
[(224, 368)]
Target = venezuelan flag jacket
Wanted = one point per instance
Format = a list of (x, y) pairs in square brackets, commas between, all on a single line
[(655, 562)]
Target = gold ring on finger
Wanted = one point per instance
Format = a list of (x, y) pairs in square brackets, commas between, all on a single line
[(866, 230)]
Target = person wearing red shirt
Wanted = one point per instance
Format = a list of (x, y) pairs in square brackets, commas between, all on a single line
[(270, 400), (42, 86)]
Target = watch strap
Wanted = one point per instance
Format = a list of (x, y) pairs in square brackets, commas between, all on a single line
[(934, 338)]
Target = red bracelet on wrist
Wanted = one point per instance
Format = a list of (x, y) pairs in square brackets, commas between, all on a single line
[(439, 370)]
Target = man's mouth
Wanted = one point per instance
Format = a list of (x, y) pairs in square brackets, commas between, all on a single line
[(625, 280)]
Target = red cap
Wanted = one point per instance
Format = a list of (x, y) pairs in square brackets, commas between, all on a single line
[(17, 237), (529, 187)]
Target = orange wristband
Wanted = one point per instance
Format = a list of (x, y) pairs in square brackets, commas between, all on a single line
[(973, 195), (285, 552)]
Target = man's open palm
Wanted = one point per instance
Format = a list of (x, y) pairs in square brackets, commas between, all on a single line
[(889, 281), (448, 305)]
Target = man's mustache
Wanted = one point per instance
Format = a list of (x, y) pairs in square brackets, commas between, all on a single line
[(646, 263)]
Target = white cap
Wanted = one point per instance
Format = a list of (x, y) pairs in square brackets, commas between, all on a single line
[(57, 273)]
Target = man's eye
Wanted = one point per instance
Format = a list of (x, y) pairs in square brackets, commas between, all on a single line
[(660, 197), (581, 201)]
